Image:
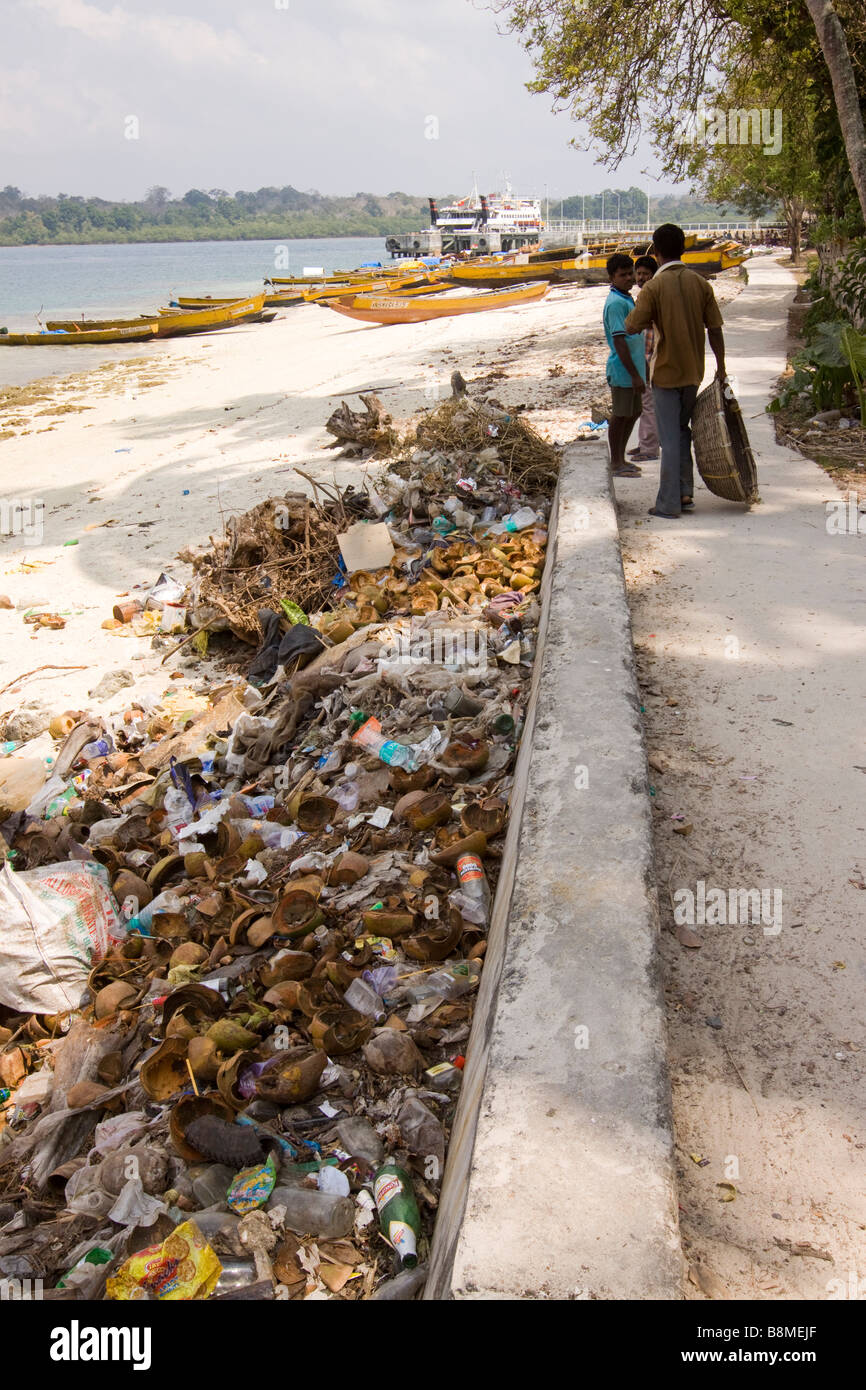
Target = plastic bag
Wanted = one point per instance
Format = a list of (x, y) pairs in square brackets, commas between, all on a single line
[(183, 1267), (55, 923)]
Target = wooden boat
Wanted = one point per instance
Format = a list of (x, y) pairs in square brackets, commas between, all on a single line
[(282, 299), (73, 335), (391, 309), (493, 274), (173, 323), (170, 322)]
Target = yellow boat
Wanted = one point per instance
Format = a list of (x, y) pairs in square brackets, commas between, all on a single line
[(379, 308), (492, 274), (73, 335), (173, 323), (282, 299)]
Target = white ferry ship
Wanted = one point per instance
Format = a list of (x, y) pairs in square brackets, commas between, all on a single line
[(479, 223)]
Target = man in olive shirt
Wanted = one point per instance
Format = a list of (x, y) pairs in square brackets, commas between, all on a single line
[(682, 305)]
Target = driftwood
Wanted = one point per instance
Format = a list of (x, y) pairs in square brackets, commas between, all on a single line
[(361, 433)]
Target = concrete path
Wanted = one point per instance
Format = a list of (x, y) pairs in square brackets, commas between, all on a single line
[(753, 621)]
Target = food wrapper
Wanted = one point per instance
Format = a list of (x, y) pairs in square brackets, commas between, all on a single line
[(252, 1187), (183, 1267)]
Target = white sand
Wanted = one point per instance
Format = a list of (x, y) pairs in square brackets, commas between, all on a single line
[(225, 418)]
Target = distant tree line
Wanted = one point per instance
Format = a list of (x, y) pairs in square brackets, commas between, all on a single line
[(272, 213)]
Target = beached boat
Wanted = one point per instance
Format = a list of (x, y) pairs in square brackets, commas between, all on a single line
[(283, 299), (74, 335), (493, 274), (391, 309), (173, 323)]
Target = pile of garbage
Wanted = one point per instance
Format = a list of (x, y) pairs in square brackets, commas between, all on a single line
[(243, 927)]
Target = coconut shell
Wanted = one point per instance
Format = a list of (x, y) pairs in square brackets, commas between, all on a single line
[(488, 816), (227, 1078), (230, 1036), (129, 885), (260, 931), (390, 924), (340, 1030), (197, 1002), (406, 802), (432, 809), (163, 870), (476, 843), (171, 926), (294, 1078), (165, 1073), (315, 812), (179, 1026), (284, 995), (403, 782), (189, 953), (204, 1058), (296, 914), (466, 755), (113, 998), (436, 943), (293, 965), (348, 869), (315, 994)]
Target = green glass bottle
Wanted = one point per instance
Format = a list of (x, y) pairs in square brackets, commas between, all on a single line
[(399, 1217)]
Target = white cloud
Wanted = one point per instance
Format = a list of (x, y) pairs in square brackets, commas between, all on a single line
[(331, 94)]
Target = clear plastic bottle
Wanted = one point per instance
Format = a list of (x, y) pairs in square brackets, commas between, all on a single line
[(387, 750), (521, 519), (313, 1213), (474, 885)]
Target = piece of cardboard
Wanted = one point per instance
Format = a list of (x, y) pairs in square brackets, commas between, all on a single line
[(366, 546)]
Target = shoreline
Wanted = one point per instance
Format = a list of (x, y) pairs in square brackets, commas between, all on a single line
[(150, 455)]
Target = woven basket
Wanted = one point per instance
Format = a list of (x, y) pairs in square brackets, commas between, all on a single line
[(721, 446)]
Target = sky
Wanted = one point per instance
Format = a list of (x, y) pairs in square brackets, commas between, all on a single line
[(105, 98)]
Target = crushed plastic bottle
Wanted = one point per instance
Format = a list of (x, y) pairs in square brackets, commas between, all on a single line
[(387, 750)]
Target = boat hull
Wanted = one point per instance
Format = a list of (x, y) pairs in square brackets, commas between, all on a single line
[(139, 333), (173, 323), (392, 310)]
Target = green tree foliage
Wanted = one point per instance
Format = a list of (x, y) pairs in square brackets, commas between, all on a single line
[(623, 71), (200, 215)]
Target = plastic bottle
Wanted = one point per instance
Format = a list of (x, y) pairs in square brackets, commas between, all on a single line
[(474, 885), (520, 520), (99, 748), (387, 750), (399, 1217), (320, 1214)]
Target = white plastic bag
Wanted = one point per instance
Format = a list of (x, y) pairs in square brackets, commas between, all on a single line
[(55, 923)]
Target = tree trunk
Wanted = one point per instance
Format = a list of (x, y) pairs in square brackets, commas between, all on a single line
[(834, 46)]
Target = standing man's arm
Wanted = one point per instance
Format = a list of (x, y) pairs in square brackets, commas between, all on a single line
[(713, 321), (717, 343), (641, 315)]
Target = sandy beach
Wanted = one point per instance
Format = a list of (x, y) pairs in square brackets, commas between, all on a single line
[(151, 454)]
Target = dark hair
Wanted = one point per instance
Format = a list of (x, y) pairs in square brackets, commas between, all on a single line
[(618, 261), (648, 263), (670, 241)]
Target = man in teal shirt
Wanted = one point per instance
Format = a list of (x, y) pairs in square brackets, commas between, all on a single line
[(626, 365)]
